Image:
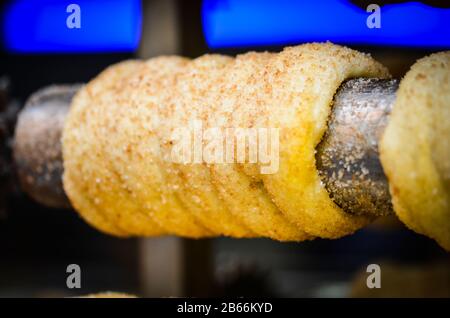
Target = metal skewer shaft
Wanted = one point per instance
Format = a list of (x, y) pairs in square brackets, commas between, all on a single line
[(37, 144), (347, 157)]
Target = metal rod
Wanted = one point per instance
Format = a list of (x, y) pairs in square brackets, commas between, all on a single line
[(37, 144), (347, 157)]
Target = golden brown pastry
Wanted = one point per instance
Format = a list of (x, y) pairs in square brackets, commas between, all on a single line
[(292, 91), (193, 181), (97, 189), (119, 138), (415, 150)]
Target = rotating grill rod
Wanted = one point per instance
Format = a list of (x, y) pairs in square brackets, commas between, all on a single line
[(347, 157)]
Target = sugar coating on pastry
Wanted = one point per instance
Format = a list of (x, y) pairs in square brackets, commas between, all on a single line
[(299, 87), (415, 150), (238, 211), (193, 181), (81, 156), (232, 104), (121, 129), (89, 174)]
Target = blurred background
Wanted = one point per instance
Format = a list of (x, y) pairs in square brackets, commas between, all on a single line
[(37, 243)]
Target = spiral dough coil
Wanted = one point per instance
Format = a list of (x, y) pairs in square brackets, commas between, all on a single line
[(119, 134)]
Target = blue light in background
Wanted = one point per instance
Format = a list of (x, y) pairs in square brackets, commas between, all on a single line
[(39, 26), (252, 23)]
